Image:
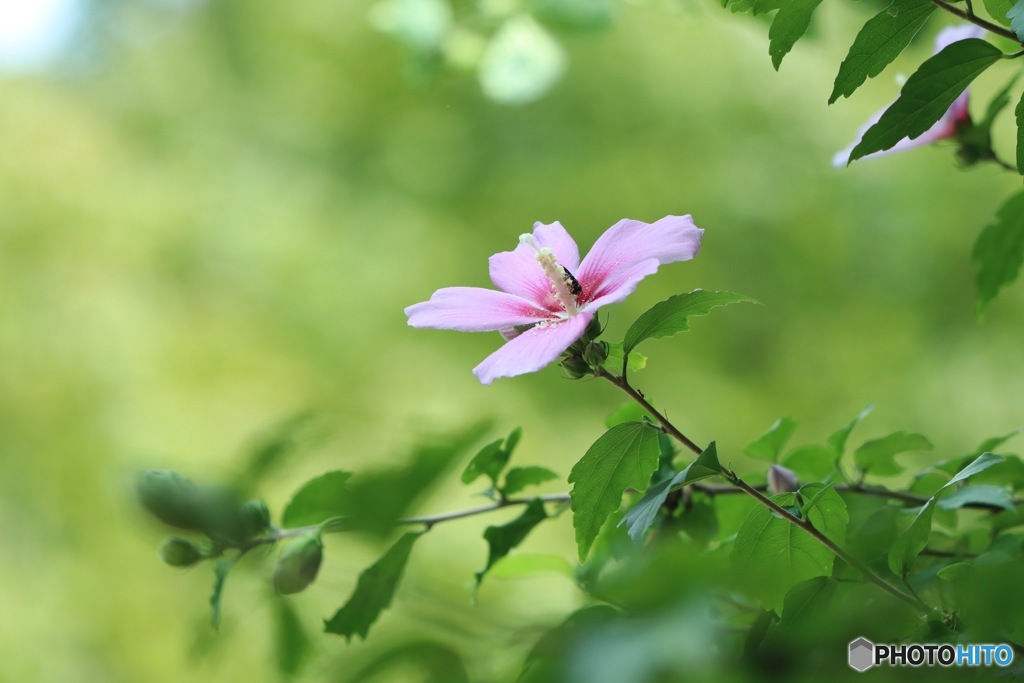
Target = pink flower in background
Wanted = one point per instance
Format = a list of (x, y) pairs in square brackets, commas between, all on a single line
[(546, 289), (944, 127)]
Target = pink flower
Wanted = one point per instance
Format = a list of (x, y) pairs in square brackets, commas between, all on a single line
[(548, 297), (945, 127)]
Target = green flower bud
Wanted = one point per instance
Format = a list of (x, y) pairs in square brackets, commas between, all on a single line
[(593, 330), (576, 367), (255, 517), (180, 552), (298, 564), (595, 354), (171, 498)]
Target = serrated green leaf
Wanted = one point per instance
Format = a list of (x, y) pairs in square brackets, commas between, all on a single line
[(1016, 17), (910, 544), (671, 316), (985, 494), (880, 41), (374, 591), (957, 570), (292, 644), (999, 250), (519, 478), (221, 568), (789, 25), (613, 363), (642, 515), (998, 9), (318, 499), (928, 94), (980, 464), (625, 456), (503, 538), (771, 555), (769, 445), (523, 565), (878, 456), (837, 440)]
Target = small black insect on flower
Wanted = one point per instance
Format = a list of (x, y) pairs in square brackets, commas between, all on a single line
[(571, 282)]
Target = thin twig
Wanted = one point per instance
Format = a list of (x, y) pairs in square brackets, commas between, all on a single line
[(978, 21)]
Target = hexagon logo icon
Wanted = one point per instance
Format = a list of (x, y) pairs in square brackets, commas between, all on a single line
[(862, 654)]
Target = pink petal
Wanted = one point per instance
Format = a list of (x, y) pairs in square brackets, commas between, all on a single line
[(473, 309), (532, 350), (629, 243), (952, 34), (517, 271), (620, 285), (943, 128)]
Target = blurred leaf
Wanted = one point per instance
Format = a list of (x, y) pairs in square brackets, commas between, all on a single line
[(955, 571), (769, 445), (292, 643), (522, 565), (910, 544), (878, 456), (880, 41), (502, 539), (281, 441), (317, 500), (671, 316), (489, 460), (432, 662), (790, 24), (998, 9), (811, 463), (613, 363), (928, 94), (807, 598), (420, 24), (221, 568), (999, 250), (374, 591), (519, 478), (625, 456), (546, 660), (579, 14), (980, 464), (1016, 17), (1018, 113), (521, 62), (628, 412), (988, 495), (837, 441), (642, 515)]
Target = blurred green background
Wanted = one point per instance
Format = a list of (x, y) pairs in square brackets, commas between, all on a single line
[(213, 213)]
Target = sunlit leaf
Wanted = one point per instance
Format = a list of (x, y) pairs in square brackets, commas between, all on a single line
[(880, 41), (374, 591), (623, 457), (521, 62), (980, 464), (523, 565), (613, 363), (671, 316), (928, 94), (318, 499), (519, 478), (769, 445), (837, 440), (878, 456), (995, 496)]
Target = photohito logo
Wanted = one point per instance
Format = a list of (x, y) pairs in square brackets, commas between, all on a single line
[(864, 654)]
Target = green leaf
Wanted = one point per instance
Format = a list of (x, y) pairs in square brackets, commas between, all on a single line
[(910, 544), (625, 456), (998, 9), (837, 441), (292, 644), (957, 570), (806, 598), (879, 42), (928, 94), (771, 555), (825, 510), (282, 440), (999, 250), (613, 363), (627, 412), (1018, 113), (769, 445), (374, 591), (574, 14), (519, 478), (317, 500), (430, 661), (985, 494), (522, 565), (502, 539), (220, 575), (1016, 17), (789, 26), (671, 316), (811, 463), (642, 515), (980, 464), (489, 460), (878, 456)]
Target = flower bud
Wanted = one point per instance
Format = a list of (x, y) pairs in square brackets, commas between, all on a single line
[(595, 354), (298, 564), (576, 367), (255, 516), (782, 480), (179, 552), (170, 497), (593, 330)]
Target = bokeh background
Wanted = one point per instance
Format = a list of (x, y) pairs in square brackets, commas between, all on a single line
[(212, 214)]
